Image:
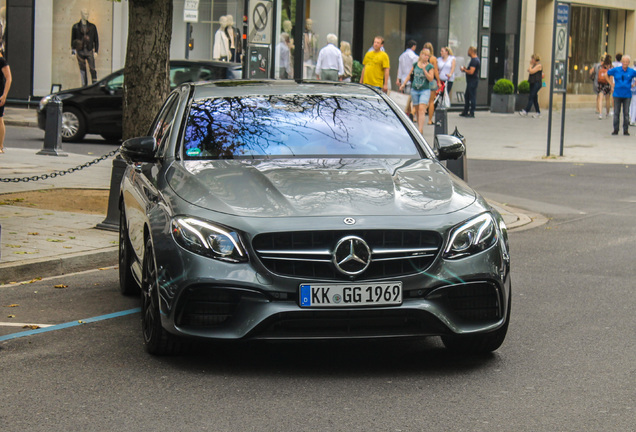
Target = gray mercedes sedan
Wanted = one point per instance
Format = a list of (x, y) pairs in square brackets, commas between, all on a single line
[(295, 211)]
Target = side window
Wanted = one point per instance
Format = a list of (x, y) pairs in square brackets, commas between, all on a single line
[(163, 124), (116, 83)]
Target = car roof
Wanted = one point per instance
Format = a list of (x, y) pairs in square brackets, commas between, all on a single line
[(230, 88)]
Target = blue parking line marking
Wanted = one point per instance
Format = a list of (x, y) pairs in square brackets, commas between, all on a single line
[(70, 324)]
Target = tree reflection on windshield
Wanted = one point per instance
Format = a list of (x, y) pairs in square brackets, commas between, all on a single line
[(294, 125)]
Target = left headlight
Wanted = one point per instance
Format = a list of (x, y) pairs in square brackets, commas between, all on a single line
[(46, 99), (471, 237), (207, 239)]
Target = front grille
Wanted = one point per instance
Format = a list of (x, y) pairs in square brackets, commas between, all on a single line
[(475, 302), (348, 324), (207, 307), (308, 254)]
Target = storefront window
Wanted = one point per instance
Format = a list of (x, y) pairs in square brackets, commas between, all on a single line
[(321, 18), (589, 41), (217, 35), (463, 32)]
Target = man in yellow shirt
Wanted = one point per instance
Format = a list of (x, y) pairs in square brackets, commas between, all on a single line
[(376, 66)]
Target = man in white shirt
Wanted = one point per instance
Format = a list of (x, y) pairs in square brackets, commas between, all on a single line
[(406, 60), (329, 66)]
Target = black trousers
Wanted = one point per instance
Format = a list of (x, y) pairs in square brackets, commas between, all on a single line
[(470, 97)]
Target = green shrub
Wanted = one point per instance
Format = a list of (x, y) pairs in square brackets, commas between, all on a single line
[(356, 71), (523, 87), (503, 86)]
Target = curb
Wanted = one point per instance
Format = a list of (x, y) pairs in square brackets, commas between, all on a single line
[(23, 123), (69, 263)]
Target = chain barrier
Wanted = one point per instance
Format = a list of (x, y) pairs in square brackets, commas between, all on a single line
[(58, 173)]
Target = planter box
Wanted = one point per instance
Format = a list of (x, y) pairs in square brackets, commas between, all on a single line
[(522, 101), (502, 103)]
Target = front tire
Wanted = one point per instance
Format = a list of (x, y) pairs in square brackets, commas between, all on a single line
[(156, 339), (127, 284), (73, 125)]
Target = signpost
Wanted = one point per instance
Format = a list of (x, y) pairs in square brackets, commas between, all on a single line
[(559, 70)]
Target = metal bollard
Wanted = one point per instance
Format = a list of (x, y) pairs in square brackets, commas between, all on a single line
[(441, 124), (111, 223), (53, 130), (458, 166)]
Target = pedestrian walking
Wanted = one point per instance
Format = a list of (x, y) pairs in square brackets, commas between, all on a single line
[(472, 80), (329, 66), (535, 79), (405, 64), (602, 86), (435, 84), (423, 76), (621, 81), (347, 60), (446, 63), (376, 65), (5, 86)]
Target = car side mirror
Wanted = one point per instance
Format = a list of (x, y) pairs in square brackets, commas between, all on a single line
[(140, 149), (449, 147)]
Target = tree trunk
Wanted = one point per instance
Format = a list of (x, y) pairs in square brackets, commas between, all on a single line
[(146, 74)]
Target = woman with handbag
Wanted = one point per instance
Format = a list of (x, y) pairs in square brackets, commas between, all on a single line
[(423, 75)]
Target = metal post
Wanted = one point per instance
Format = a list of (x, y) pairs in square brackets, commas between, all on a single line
[(53, 129), (552, 69), (459, 166), (441, 124), (111, 223), (298, 37)]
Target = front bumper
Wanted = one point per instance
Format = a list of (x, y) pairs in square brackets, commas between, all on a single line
[(201, 297)]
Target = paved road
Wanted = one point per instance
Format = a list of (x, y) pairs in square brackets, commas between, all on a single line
[(567, 365), (33, 138)]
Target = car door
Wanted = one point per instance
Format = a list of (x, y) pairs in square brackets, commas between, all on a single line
[(142, 195), (104, 109)]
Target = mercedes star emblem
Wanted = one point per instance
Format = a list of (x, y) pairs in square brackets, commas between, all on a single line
[(349, 221), (352, 255)]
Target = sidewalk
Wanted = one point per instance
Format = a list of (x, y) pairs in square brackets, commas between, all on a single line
[(67, 242)]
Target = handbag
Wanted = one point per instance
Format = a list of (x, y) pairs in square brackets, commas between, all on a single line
[(447, 101)]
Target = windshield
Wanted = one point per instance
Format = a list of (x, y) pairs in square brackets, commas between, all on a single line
[(295, 125)]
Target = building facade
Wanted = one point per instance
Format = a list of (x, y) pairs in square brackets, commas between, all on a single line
[(38, 43)]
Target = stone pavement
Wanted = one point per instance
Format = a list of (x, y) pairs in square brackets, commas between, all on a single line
[(67, 242)]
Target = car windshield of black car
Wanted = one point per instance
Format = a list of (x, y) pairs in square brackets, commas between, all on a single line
[(295, 126)]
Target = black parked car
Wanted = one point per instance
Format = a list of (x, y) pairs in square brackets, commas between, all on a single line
[(97, 108), (279, 210)]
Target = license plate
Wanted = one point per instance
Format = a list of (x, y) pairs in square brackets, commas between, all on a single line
[(347, 295)]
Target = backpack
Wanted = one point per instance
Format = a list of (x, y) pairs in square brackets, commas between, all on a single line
[(602, 75)]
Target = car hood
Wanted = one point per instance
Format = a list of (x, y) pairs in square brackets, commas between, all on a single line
[(319, 187)]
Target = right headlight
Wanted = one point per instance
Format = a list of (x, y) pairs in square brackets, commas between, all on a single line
[(207, 239), (471, 237)]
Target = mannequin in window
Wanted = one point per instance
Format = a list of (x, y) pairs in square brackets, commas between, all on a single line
[(85, 45), (234, 37), (310, 49), (288, 28), (221, 48)]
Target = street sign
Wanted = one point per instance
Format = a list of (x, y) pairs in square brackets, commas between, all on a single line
[(191, 11), (260, 22), (561, 36)]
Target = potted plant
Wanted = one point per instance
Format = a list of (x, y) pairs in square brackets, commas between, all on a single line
[(503, 99), (523, 91)]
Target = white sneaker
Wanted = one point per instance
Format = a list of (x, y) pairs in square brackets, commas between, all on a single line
[(523, 113), (611, 113), (537, 115), (600, 116)]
